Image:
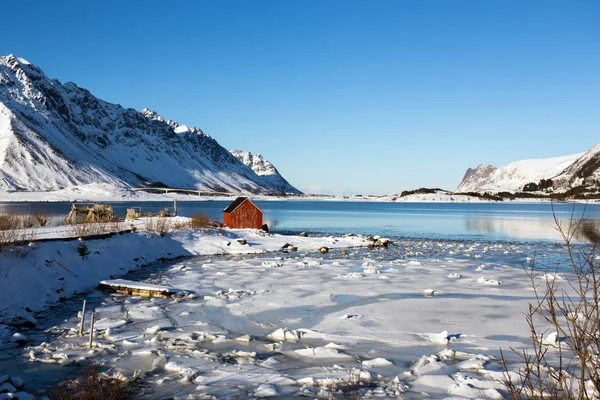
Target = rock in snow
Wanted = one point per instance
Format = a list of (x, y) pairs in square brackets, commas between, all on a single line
[(266, 391), (377, 362), (442, 337), (284, 335), (19, 338)]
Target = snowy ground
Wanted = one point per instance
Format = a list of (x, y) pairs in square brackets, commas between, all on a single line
[(423, 318), (54, 270)]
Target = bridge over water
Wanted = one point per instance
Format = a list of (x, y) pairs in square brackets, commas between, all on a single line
[(191, 191)]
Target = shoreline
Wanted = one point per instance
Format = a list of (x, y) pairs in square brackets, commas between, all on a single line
[(98, 192), (53, 269), (19, 197)]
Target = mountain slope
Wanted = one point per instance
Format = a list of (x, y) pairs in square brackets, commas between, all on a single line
[(584, 171), (267, 171), (54, 135), (512, 177)]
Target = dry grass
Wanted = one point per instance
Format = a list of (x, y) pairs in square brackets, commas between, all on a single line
[(570, 367), (93, 385), (160, 225), (9, 222), (97, 228), (200, 221), (15, 221), (15, 232), (41, 217)]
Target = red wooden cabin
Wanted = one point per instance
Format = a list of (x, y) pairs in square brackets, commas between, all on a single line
[(243, 213)]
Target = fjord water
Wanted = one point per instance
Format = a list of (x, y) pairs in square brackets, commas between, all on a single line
[(506, 221)]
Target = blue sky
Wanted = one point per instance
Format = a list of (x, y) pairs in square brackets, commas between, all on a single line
[(342, 96)]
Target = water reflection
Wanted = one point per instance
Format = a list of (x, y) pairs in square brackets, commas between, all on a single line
[(587, 230)]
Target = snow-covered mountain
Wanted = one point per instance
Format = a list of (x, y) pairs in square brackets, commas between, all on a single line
[(514, 176), (585, 171), (265, 170), (54, 135)]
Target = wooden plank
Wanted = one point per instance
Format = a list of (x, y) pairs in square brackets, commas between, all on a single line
[(133, 288)]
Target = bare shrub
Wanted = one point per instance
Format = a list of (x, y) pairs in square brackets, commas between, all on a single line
[(93, 385), (26, 221), (10, 222), (96, 228), (7, 237), (179, 225), (568, 367), (41, 217), (14, 232), (200, 221), (162, 225), (82, 230), (158, 225), (115, 226), (349, 390)]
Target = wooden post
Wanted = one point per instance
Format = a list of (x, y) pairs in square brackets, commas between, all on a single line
[(82, 319), (92, 330), (175, 207)]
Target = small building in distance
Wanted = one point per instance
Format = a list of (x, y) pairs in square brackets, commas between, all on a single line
[(243, 213)]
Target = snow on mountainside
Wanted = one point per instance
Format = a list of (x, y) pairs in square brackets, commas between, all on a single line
[(512, 177), (585, 171), (265, 170), (55, 135)]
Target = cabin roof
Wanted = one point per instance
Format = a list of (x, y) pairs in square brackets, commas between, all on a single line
[(238, 202)]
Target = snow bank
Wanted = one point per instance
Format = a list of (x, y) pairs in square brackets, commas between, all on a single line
[(47, 272)]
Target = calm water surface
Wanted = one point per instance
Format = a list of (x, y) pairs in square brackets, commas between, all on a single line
[(462, 221)]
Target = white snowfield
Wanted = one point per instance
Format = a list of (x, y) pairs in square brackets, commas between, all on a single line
[(428, 320), (55, 270)]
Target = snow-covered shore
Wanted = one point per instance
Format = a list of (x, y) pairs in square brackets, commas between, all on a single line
[(44, 273), (101, 192), (419, 317), (54, 270)]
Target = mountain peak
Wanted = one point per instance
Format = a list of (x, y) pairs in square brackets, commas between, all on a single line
[(264, 169), (148, 113), (20, 64), (13, 58)]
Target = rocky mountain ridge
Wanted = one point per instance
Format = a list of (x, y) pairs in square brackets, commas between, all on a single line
[(585, 171), (265, 170), (55, 135)]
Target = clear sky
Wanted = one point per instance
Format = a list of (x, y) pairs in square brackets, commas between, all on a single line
[(342, 96)]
